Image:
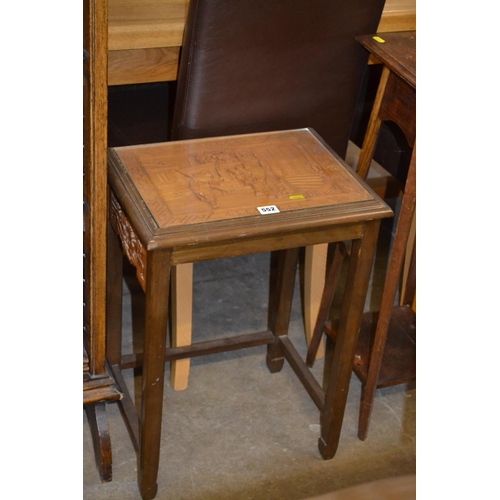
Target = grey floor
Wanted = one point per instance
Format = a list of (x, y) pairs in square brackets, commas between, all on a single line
[(240, 432)]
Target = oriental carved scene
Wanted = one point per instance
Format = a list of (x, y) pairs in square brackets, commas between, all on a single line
[(188, 182)]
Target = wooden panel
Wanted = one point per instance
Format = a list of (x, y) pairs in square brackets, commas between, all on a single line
[(272, 242), (398, 15), (399, 106), (398, 364), (95, 179), (140, 24), (142, 65)]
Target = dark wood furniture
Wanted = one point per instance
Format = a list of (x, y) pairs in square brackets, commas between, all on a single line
[(98, 387), (186, 201), (386, 352)]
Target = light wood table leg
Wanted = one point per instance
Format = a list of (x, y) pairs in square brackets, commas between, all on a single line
[(331, 280), (181, 324), (314, 282)]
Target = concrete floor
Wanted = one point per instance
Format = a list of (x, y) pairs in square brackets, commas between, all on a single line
[(240, 432)]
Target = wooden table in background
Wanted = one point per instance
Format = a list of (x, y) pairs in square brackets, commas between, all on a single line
[(145, 36), (386, 353)]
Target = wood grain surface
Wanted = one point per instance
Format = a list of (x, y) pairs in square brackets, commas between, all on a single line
[(397, 50), (157, 27), (159, 64), (191, 182), (141, 24)]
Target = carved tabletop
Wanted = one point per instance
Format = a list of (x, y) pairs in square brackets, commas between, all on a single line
[(219, 183)]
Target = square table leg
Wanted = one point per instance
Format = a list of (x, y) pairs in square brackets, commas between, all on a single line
[(281, 285), (153, 371), (358, 276), (114, 293), (392, 280)]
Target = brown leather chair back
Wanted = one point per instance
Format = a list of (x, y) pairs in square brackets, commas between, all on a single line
[(261, 65)]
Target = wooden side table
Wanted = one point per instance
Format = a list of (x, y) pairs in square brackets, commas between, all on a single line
[(386, 352), (188, 201)]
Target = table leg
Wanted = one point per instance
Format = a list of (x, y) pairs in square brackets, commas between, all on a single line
[(282, 281), (358, 276), (408, 259), (394, 268), (153, 371), (371, 135), (314, 282), (114, 293), (181, 322), (333, 275), (98, 423)]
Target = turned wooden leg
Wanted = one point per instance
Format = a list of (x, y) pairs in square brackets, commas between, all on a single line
[(96, 415), (353, 302), (394, 268), (181, 322), (153, 371), (282, 281)]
